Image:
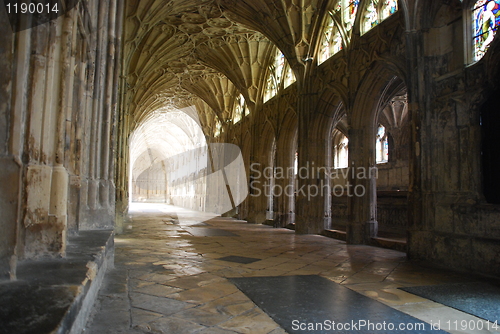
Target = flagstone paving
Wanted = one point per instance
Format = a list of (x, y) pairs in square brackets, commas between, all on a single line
[(168, 280)]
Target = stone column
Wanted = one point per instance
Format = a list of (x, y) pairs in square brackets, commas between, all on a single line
[(361, 189), (96, 139), (106, 185), (42, 235), (285, 180), (259, 160), (313, 191), (58, 212)]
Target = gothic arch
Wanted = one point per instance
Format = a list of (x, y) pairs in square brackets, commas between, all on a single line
[(373, 86)]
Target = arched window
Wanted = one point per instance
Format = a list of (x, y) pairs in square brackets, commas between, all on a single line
[(240, 109), (340, 150), (338, 25), (271, 88), (331, 40), (485, 22), (376, 11), (280, 76), (382, 145)]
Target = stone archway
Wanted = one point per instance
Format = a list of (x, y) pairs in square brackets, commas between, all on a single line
[(375, 89)]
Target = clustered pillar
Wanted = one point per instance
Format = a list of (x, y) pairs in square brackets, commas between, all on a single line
[(59, 93)]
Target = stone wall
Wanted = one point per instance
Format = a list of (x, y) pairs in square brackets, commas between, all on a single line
[(58, 107), (9, 166), (451, 223)]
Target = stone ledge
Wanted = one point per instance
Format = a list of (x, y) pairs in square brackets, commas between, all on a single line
[(335, 234), (398, 244), (56, 295)]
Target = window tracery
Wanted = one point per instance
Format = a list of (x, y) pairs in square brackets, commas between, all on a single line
[(280, 76), (331, 41), (338, 25), (351, 9), (240, 109), (376, 11)]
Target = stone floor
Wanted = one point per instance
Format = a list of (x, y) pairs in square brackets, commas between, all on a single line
[(169, 276)]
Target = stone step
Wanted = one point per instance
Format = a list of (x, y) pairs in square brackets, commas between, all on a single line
[(398, 244), (57, 295)]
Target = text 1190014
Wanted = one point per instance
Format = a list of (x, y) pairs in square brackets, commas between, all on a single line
[(32, 8)]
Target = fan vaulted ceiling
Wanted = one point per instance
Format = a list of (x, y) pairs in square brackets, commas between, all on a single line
[(178, 52)]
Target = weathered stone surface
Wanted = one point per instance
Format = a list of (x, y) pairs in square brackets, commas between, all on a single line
[(56, 295)]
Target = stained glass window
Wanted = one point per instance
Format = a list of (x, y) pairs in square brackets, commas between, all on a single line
[(389, 7), (338, 6), (350, 13), (331, 41), (280, 76), (376, 11), (371, 15), (486, 19)]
